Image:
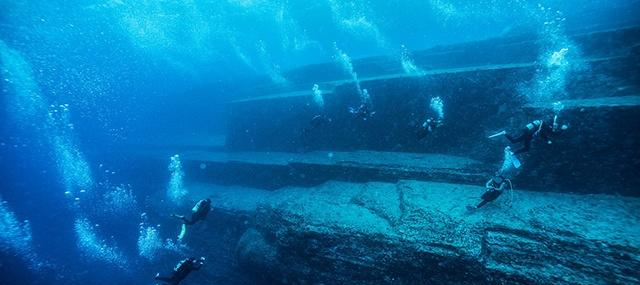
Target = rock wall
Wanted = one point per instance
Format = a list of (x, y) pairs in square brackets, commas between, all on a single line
[(477, 103)]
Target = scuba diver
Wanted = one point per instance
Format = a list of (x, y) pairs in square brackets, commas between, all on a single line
[(495, 187), (181, 271), (318, 99), (436, 107), (198, 213), (319, 120), (427, 127), (363, 111), (538, 128), (498, 183)]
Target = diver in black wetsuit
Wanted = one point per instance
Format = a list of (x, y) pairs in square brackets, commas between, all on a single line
[(427, 127), (537, 128), (495, 187), (181, 271), (199, 212)]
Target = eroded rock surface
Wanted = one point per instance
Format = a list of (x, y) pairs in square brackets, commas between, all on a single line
[(422, 233)]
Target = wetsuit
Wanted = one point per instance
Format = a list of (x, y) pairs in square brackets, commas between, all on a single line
[(532, 130), (199, 212), (181, 271), (427, 127), (362, 111), (494, 190)]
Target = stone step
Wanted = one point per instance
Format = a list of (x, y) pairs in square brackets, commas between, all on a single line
[(173, 143), (464, 69), (602, 116), (330, 86), (413, 232), (605, 102), (300, 93), (274, 170), (498, 51)]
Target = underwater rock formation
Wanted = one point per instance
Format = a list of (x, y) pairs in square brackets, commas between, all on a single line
[(483, 91), (422, 233), (273, 170)]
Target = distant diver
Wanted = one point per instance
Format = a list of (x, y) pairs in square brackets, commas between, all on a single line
[(319, 120), (428, 127), (499, 181), (198, 213), (318, 99), (494, 188), (365, 109), (544, 129), (436, 107), (181, 271)]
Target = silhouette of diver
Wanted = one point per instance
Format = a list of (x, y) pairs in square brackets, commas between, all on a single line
[(544, 129), (363, 111), (495, 187), (198, 213), (181, 271), (500, 180), (319, 120), (427, 127)]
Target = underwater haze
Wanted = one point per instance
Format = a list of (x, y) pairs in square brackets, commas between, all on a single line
[(339, 142)]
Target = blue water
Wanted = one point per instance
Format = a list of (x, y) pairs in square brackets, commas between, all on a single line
[(84, 82)]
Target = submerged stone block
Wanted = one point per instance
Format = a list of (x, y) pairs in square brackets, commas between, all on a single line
[(272, 170), (423, 233), (599, 154)]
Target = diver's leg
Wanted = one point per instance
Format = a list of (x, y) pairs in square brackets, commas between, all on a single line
[(513, 139), (520, 150), (185, 220), (164, 279), (489, 197), (485, 198), (189, 222), (493, 196), (525, 147), (484, 202), (183, 232), (181, 217)]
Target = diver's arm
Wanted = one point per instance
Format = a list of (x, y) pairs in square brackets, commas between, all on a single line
[(488, 184)]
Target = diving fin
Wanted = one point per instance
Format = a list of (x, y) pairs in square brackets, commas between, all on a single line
[(516, 162), (497, 134), (183, 232), (514, 159)]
